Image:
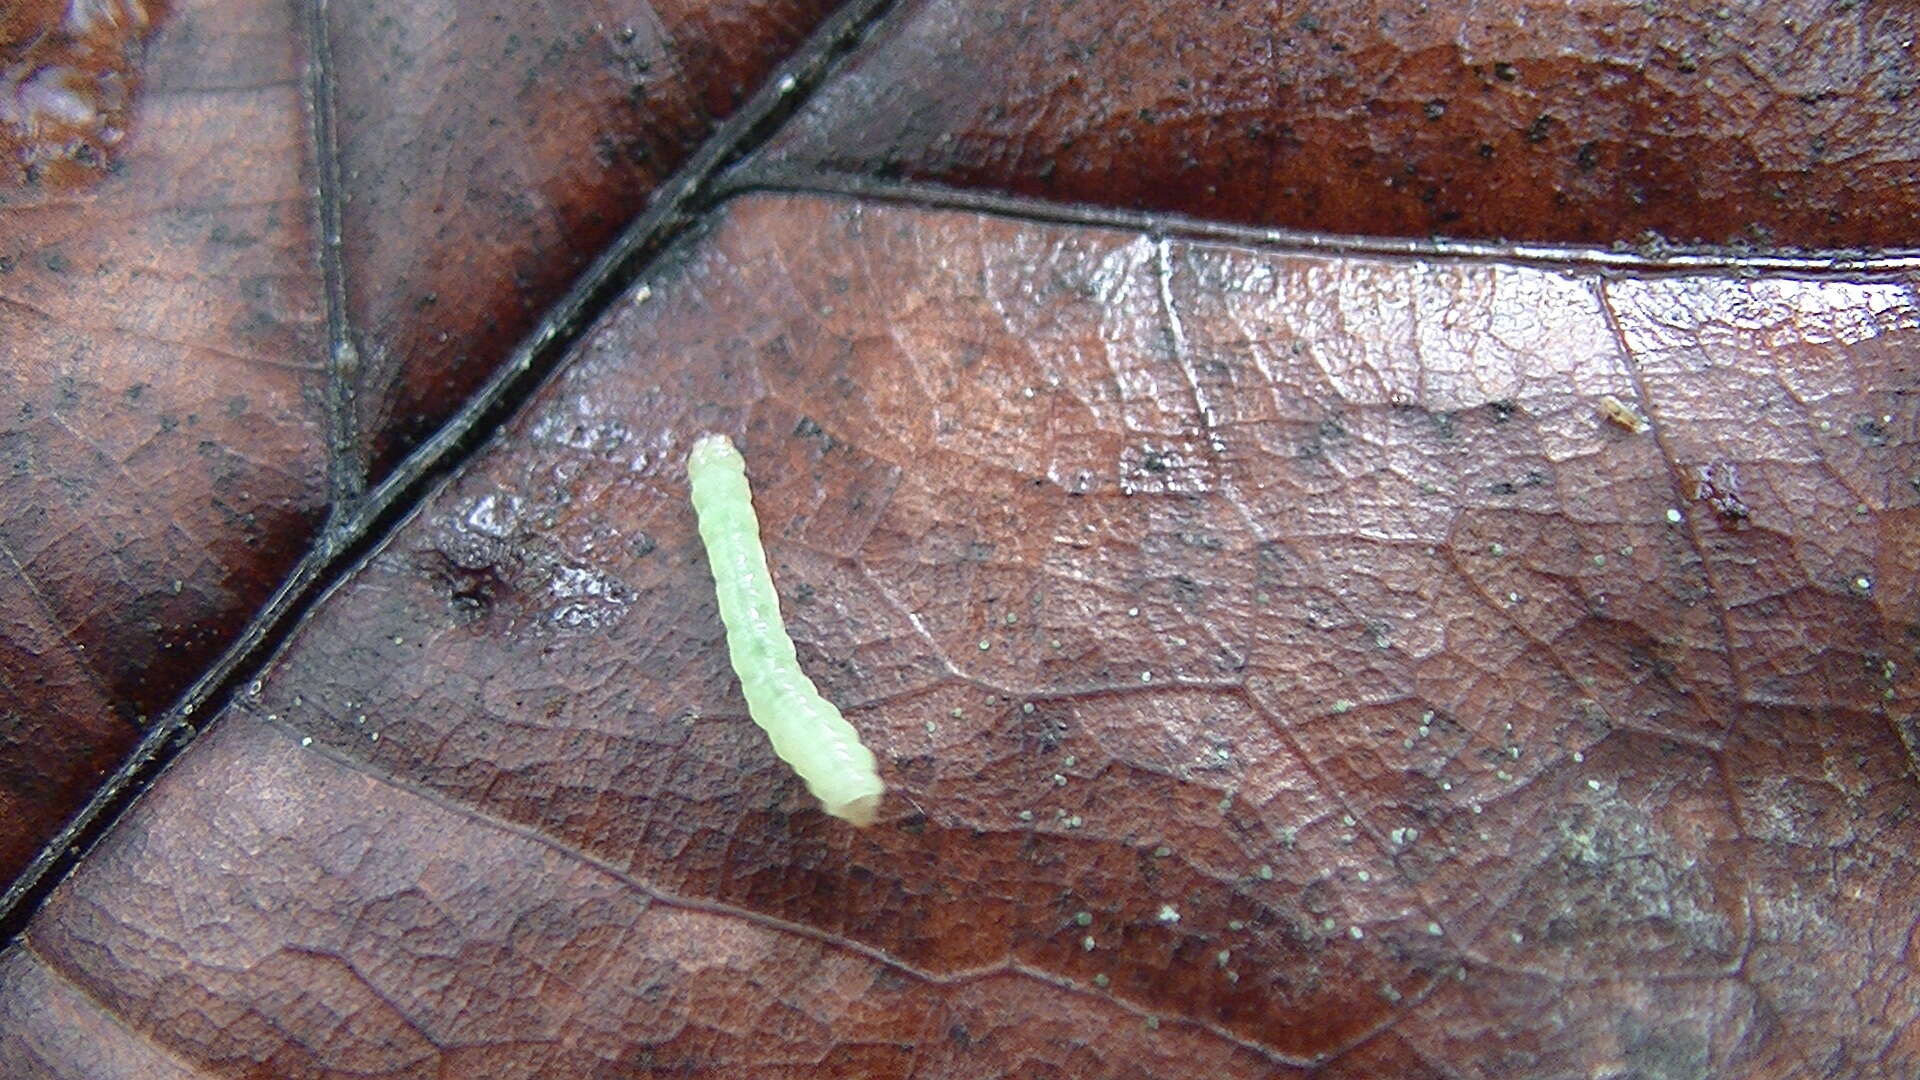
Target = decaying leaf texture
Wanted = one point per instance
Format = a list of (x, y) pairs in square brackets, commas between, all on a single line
[(1284, 666), (164, 303), (68, 74), (486, 159), (161, 421), (1602, 123)]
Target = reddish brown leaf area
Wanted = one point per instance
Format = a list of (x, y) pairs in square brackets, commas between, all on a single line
[(69, 70), (162, 456), (163, 421), (487, 157), (1280, 663), (1590, 123)]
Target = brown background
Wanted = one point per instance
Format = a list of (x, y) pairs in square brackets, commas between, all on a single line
[(1280, 663)]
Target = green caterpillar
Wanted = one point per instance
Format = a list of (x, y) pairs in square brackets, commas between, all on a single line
[(808, 733)]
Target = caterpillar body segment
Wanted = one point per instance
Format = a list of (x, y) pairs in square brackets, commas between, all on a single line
[(807, 731)]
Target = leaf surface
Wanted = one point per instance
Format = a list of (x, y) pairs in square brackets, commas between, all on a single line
[(250, 253), (1610, 123), (1280, 662)]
